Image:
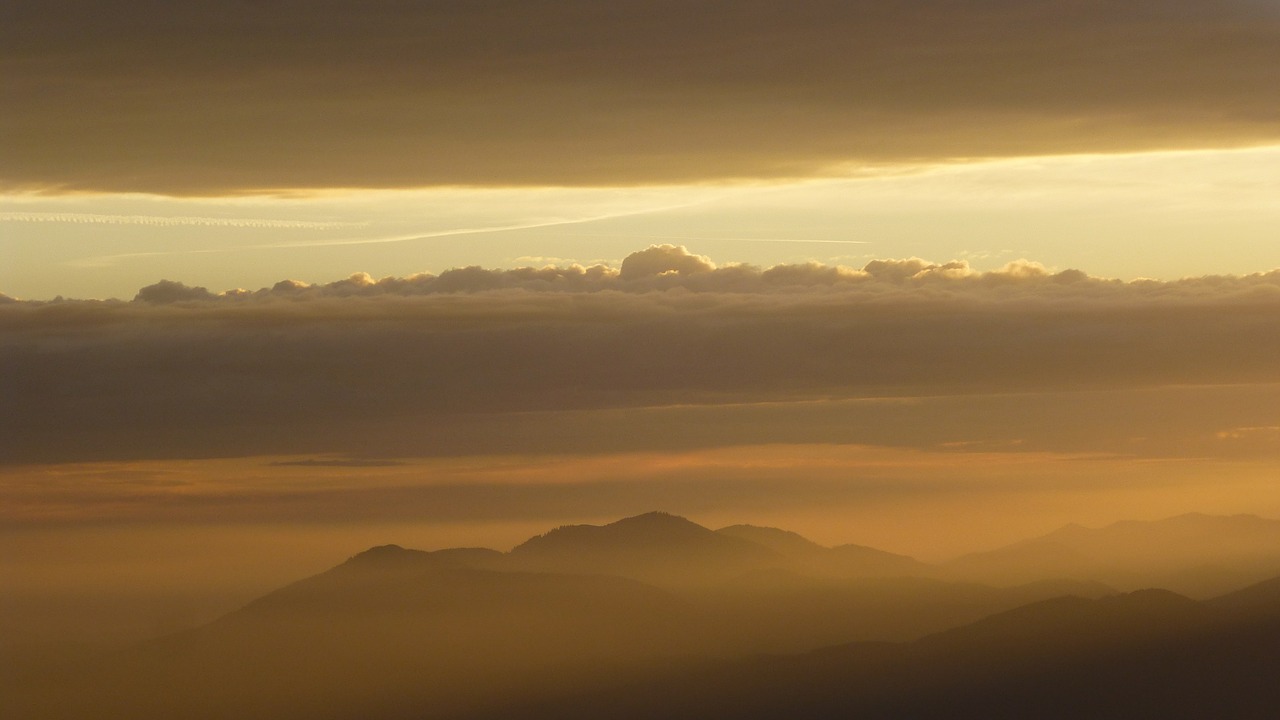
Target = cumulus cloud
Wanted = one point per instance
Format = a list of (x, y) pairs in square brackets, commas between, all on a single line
[(670, 267), (442, 363), (170, 291), (355, 94), (663, 259)]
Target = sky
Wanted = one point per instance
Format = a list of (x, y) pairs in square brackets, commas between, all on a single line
[(927, 276), (233, 145)]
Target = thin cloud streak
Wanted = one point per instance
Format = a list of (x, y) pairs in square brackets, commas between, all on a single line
[(169, 220), (716, 238), (796, 240), (457, 232), (100, 261), (105, 261)]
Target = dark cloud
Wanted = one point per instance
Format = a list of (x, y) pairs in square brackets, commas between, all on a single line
[(210, 97), (477, 361)]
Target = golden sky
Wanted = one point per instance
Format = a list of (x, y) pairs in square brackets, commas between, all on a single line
[(236, 145), (468, 269)]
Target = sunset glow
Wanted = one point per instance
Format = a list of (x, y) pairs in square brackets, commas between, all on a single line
[(771, 326)]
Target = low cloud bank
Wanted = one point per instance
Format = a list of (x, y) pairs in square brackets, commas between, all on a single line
[(338, 367), (672, 267)]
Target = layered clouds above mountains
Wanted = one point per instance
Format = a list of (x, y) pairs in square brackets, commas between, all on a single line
[(923, 408)]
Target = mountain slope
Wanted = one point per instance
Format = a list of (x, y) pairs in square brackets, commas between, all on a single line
[(1198, 555), (654, 547), (391, 631), (397, 633), (783, 542), (1146, 654), (842, 561)]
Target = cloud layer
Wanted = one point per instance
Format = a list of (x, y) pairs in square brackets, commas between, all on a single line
[(205, 97), (476, 361), (669, 267)]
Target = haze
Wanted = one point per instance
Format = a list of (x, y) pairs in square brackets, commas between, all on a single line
[(284, 282)]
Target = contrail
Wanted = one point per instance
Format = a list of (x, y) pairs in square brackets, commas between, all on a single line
[(760, 240), (733, 239), (105, 260), (475, 230)]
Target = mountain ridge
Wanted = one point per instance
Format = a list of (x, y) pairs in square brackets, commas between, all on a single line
[(466, 631), (1149, 653), (1195, 554)]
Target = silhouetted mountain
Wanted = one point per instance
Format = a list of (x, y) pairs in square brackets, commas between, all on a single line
[(1072, 624), (784, 612), (862, 561), (392, 556), (842, 561), (672, 551), (1197, 555), (389, 632), (1148, 654), (655, 547), (398, 633), (1258, 599), (783, 542)]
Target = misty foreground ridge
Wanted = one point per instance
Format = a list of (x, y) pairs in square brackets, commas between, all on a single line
[(657, 616)]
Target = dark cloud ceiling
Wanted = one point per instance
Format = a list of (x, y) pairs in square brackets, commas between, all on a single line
[(216, 97)]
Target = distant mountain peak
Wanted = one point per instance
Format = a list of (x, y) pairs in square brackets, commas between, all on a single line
[(1152, 596), (1190, 522), (1195, 554), (655, 547), (659, 523), (655, 518), (377, 551), (385, 555), (647, 527)]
